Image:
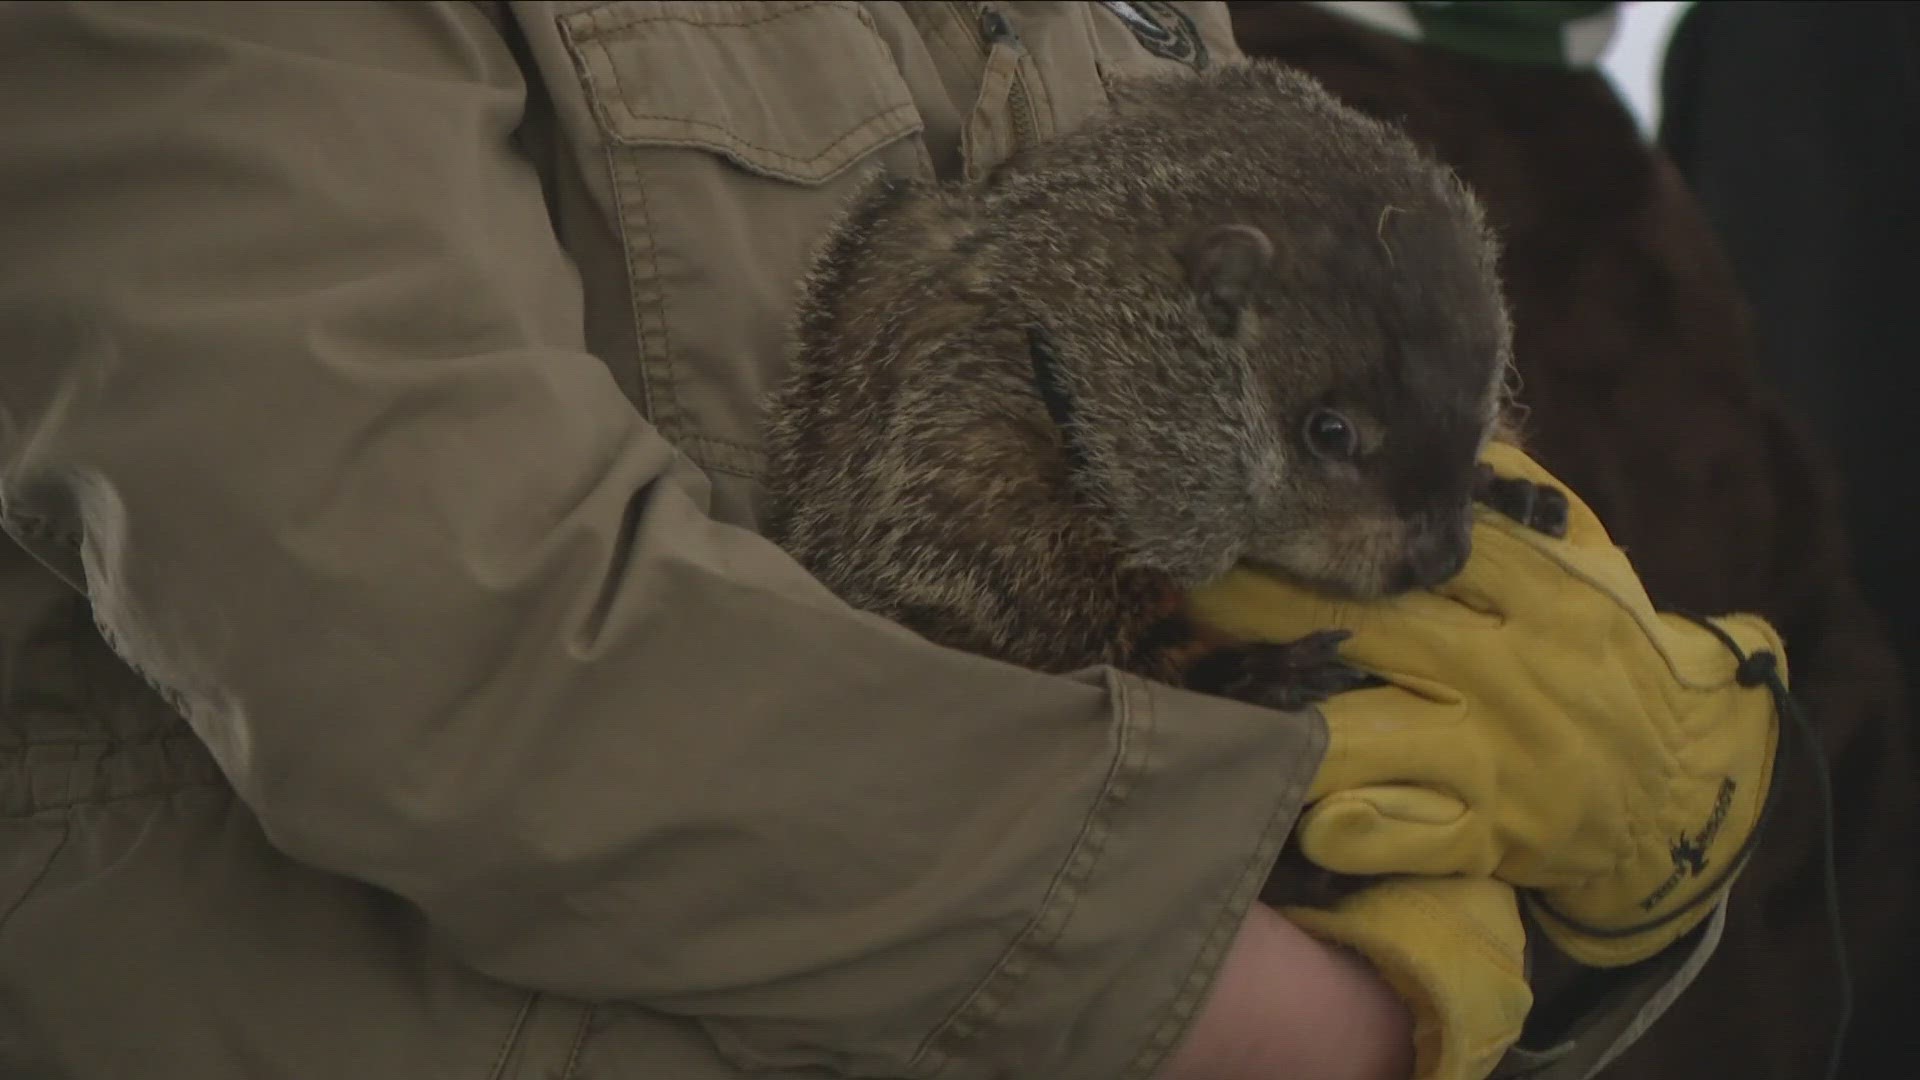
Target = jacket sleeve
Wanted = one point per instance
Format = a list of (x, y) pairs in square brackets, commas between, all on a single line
[(295, 390), (1591, 1036)]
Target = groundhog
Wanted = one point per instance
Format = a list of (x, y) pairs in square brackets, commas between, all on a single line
[(1233, 321)]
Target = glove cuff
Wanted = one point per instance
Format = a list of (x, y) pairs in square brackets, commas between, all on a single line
[(1454, 950)]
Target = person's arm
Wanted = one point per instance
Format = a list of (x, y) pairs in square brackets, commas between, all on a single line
[(295, 391), (1285, 1005)]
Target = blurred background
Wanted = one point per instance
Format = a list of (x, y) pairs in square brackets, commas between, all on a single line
[(1631, 61), (1709, 214)]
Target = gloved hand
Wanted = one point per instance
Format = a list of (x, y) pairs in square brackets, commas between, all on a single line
[(1454, 950), (1543, 724)]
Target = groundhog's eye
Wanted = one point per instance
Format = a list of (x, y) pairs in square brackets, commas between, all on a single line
[(1331, 435)]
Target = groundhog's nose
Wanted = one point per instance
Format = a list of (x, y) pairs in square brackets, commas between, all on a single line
[(1436, 555)]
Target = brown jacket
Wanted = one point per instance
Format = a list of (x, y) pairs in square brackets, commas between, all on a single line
[(381, 397)]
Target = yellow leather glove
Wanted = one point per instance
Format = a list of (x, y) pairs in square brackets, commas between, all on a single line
[(1454, 950), (1543, 724)]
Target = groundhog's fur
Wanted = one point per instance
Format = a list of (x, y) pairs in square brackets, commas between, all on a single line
[(1208, 266)]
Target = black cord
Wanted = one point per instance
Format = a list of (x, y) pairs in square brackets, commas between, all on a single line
[(1045, 358), (1763, 669)]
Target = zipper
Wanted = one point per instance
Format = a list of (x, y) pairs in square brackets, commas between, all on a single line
[(990, 27)]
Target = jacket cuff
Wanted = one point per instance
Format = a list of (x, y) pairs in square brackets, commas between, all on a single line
[(1201, 795), (1617, 1021)]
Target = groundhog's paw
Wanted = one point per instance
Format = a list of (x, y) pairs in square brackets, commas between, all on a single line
[(1279, 675)]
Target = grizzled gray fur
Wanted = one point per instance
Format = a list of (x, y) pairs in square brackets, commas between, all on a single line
[(1279, 330)]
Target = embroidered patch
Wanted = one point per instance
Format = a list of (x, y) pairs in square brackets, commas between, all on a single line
[(1163, 29)]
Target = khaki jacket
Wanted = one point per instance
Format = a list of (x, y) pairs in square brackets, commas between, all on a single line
[(392, 682)]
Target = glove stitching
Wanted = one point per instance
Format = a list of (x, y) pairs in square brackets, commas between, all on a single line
[(1490, 947), (1645, 833), (1403, 966), (1652, 798), (1629, 839), (1648, 621), (1478, 938), (1675, 736), (1528, 542)]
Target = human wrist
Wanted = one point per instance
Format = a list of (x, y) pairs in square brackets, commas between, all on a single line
[(1286, 1003)]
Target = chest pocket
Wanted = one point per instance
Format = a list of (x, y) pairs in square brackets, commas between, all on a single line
[(735, 132)]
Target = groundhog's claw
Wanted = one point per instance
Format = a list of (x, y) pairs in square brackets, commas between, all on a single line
[(1537, 506), (1295, 882), (1289, 675)]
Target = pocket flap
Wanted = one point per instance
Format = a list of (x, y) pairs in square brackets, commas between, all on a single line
[(797, 91)]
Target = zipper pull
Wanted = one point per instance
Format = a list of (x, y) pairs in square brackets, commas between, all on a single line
[(995, 27)]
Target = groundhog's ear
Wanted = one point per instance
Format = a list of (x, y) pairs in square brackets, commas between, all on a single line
[(1224, 265)]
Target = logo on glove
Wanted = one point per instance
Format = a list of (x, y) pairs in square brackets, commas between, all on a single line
[(1690, 856)]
